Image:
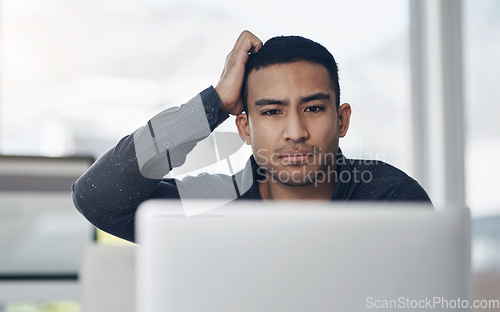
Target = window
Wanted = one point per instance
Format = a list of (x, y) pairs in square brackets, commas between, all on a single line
[(75, 77), (482, 73)]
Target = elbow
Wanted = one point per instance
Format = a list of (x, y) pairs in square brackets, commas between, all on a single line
[(98, 210), (83, 202), (78, 198), (79, 195)]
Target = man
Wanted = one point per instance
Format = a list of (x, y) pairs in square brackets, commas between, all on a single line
[(286, 97)]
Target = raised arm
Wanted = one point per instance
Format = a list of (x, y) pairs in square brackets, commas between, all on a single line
[(109, 193)]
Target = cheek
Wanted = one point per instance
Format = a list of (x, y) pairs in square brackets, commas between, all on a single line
[(262, 133), (323, 129)]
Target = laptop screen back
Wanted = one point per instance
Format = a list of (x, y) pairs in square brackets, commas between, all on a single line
[(299, 256)]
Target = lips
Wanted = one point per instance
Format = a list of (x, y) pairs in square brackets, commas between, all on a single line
[(295, 156)]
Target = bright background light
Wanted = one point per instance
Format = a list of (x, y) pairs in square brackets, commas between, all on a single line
[(76, 76)]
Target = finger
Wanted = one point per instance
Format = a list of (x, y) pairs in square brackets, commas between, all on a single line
[(256, 47), (248, 43)]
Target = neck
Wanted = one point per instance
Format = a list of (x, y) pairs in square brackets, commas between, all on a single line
[(272, 189)]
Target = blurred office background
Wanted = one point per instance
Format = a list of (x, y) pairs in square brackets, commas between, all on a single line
[(76, 76)]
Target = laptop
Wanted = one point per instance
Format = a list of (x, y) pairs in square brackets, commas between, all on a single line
[(107, 278), (301, 256)]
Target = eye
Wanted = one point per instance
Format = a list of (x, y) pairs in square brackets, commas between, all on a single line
[(314, 109), (271, 112)]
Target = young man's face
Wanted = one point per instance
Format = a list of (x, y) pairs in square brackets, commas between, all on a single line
[(292, 121)]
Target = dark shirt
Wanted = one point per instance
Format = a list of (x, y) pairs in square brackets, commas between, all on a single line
[(357, 180), (109, 193)]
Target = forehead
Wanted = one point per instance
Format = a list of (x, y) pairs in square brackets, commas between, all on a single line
[(284, 81)]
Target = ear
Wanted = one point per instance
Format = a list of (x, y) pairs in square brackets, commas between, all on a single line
[(344, 115), (243, 128)]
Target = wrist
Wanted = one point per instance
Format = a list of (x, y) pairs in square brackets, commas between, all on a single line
[(229, 107), (213, 108)]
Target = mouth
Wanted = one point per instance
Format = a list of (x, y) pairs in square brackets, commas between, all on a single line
[(295, 156)]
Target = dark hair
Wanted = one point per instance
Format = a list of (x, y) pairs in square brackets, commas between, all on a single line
[(288, 49)]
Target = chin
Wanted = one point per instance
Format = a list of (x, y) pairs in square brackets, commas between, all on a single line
[(296, 175)]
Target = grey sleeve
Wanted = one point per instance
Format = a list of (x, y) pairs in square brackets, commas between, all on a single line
[(169, 136), (109, 193)]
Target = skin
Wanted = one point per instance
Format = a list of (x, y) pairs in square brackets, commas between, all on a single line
[(292, 124), (229, 86)]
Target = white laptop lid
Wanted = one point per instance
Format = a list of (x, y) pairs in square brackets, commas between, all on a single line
[(107, 278), (300, 256)]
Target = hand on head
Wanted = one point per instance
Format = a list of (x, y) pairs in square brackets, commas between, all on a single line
[(231, 80)]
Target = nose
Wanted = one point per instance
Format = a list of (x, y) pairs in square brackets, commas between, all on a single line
[(295, 129)]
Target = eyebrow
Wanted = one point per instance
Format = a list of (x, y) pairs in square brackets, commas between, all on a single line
[(317, 96), (309, 98), (264, 102)]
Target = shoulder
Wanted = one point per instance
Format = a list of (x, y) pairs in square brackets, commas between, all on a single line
[(382, 181), (377, 170)]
